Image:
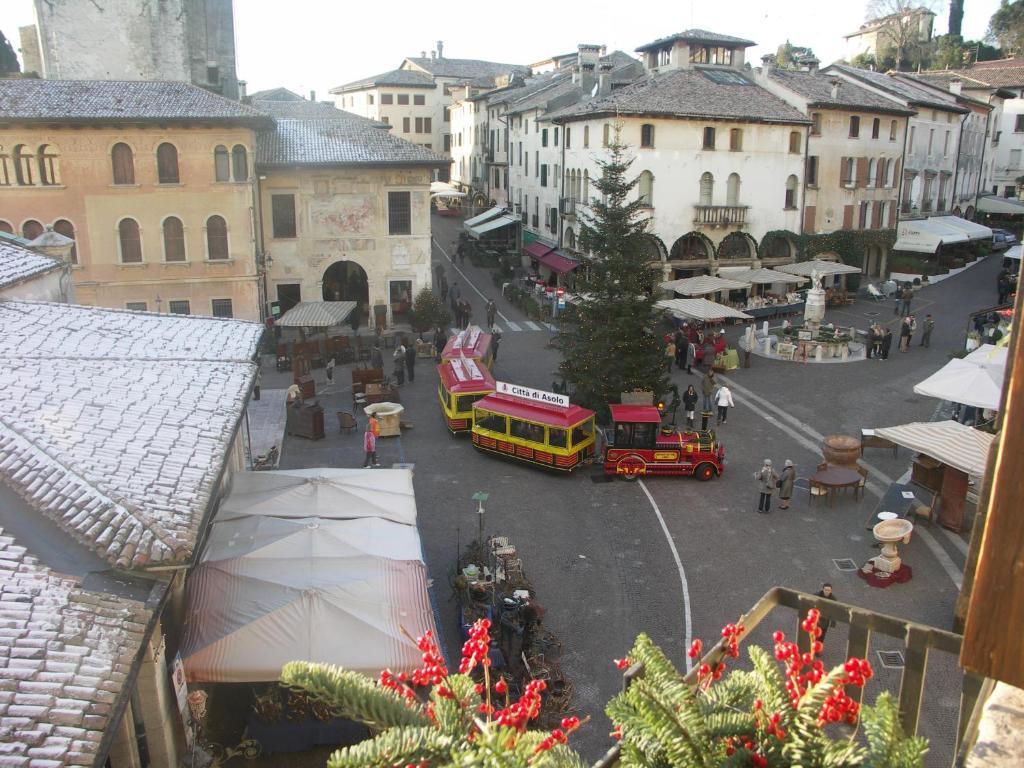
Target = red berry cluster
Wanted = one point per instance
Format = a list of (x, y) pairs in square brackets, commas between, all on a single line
[(474, 650), (397, 684), (523, 711), (558, 735), (433, 670), (695, 649), (770, 724), (839, 706), (731, 638), (622, 663), (735, 743)]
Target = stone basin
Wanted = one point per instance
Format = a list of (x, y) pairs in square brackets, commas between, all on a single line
[(889, 532)]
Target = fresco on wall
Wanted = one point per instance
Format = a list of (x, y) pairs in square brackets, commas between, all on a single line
[(341, 216)]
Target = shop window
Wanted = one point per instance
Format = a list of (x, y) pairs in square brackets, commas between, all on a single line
[(174, 239), (216, 238), (490, 421), (130, 241), (167, 164), (221, 164), (123, 163)]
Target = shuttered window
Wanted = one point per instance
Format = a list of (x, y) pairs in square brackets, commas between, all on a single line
[(174, 239), (130, 240), (123, 164), (216, 238), (283, 215), (167, 164), (240, 163), (221, 164)]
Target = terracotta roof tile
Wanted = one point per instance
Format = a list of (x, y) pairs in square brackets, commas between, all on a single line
[(18, 264)]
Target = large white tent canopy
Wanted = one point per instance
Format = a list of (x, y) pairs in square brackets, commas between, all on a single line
[(763, 276), (317, 314), (326, 567), (989, 356), (701, 309), (444, 189), (950, 442), (322, 492), (824, 268), (702, 285), (959, 381), (973, 230), (1006, 205)]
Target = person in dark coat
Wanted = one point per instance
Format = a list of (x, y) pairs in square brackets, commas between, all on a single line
[(440, 340), (786, 482), (926, 334), (495, 343), (886, 343), (690, 405), (825, 624), (444, 289), (680, 342), (410, 362)]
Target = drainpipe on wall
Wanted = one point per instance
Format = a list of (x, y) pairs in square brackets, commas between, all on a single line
[(261, 255), (959, 144), (903, 172), (561, 192), (981, 161)]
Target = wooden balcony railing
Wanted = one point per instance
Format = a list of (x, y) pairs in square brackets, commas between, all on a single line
[(917, 639), (720, 215)]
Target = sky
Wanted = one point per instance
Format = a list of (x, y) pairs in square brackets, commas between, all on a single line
[(316, 45)]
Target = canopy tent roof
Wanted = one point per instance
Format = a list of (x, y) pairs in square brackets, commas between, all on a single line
[(950, 442), (485, 216), (961, 382), (989, 356), (806, 268), (324, 492), (763, 276), (503, 220), (702, 284), (444, 189), (1004, 205), (701, 309), (317, 314), (926, 235), (1013, 252), (969, 228), (271, 590)]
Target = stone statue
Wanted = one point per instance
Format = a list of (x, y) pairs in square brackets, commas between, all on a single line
[(814, 308)]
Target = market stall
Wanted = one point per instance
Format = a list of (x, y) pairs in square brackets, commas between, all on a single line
[(948, 455), (701, 309), (967, 383), (822, 268), (703, 285)]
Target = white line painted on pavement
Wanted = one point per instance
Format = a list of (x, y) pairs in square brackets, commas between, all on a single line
[(814, 446), (468, 281), (512, 326), (682, 573), (551, 327), (957, 541), (532, 325)]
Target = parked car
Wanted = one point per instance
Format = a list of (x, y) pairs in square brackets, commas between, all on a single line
[(1003, 239)]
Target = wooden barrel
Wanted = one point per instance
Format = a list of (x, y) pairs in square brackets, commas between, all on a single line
[(841, 450)]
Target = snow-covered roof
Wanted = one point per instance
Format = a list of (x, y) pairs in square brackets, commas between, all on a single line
[(67, 655), (116, 425), (18, 264)]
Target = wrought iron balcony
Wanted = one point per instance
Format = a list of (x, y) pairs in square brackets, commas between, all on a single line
[(568, 206), (720, 215), (917, 639)]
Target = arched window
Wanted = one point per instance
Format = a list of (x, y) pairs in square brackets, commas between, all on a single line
[(791, 183), (66, 228), (31, 229), (732, 189), (239, 162), (5, 226), (222, 163), (707, 188), (646, 135), (23, 166), (646, 188), (586, 187), (872, 172), (130, 240), (174, 239), (167, 164), (123, 163), (5, 169), (216, 238), (794, 142), (47, 157)]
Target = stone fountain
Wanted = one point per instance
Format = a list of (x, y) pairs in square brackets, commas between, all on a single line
[(814, 308), (889, 533)]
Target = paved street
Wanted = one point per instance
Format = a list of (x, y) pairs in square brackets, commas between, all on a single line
[(598, 553)]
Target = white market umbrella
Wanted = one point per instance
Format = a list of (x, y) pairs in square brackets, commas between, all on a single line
[(961, 382), (950, 442), (765, 276), (989, 356), (701, 309), (325, 492), (702, 285), (270, 590), (806, 268)]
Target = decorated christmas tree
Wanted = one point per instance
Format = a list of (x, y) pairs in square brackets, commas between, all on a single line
[(608, 341)]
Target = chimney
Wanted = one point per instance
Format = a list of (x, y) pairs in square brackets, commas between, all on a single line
[(836, 84), (423, 54), (440, 49), (768, 62), (433, 55), (604, 79), (587, 58), (312, 95), (810, 63), (955, 86), (575, 69), (242, 95)]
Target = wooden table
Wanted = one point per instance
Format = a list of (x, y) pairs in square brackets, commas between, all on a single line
[(893, 501), (833, 479)]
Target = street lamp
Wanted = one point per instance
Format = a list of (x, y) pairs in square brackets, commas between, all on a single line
[(480, 497)]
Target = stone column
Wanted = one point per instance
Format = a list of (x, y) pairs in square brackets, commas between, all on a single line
[(157, 705)]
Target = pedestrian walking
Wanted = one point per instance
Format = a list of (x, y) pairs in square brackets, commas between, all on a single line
[(492, 312), (329, 370), (399, 363), (926, 331), (767, 480), (410, 362), (495, 343), (825, 624), (723, 399), (376, 357), (786, 482), (886, 343), (460, 251), (691, 356), (467, 313), (670, 354), (680, 341), (440, 340), (444, 289), (905, 334), (707, 389), (370, 446), (439, 274), (1003, 286), (905, 299), (690, 405)]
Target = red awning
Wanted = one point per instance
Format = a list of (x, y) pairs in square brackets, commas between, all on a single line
[(558, 262), (536, 250)]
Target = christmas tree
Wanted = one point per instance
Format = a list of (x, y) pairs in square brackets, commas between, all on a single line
[(608, 341)]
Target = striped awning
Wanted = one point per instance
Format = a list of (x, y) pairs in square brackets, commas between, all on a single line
[(1004, 205), (806, 268), (317, 314), (764, 276), (950, 442), (702, 285), (701, 309)]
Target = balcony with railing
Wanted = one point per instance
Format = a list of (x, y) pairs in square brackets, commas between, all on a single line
[(720, 215), (567, 205), (918, 642)]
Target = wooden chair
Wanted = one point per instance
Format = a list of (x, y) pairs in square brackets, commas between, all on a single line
[(346, 421), (917, 509), (863, 482), (822, 466), (815, 491)]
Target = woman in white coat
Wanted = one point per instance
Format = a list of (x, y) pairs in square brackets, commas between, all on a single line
[(723, 399)]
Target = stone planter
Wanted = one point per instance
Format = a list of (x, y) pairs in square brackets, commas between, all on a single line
[(841, 450)]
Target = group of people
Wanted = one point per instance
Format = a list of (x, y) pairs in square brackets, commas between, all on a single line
[(714, 397), (768, 481), (1006, 284), (682, 347)]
